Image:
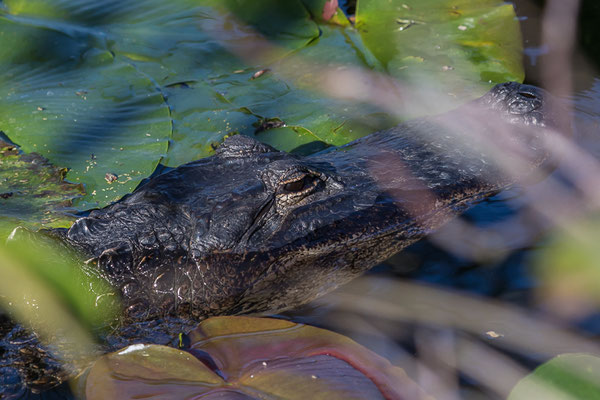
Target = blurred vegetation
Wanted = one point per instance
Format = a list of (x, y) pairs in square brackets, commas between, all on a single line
[(568, 376), (44, 287)]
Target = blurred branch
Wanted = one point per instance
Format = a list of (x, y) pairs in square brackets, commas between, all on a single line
[(419, 303)]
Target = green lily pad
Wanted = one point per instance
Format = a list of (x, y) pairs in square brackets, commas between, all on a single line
[(102, 86), (169, 43), (69, 99), (250, 358), (187, 40), (204, 111), (291, 96), (201, 119), (568, 376), (182, 40), (457, 48), (33, 192)]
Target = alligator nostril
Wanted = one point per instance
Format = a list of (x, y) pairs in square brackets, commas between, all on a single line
[(528, 95)]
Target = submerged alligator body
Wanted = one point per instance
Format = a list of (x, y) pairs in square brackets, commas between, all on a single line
[(252, 229)]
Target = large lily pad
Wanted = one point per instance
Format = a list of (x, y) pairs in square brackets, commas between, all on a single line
[(291, 97), (183, 40), (101, 86), (32, 191), (66, 97), (250, 358), (458, 48)]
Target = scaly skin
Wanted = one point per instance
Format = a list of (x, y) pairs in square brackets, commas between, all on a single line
[(252, 229)]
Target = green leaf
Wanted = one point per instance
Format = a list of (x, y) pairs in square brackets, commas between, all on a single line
[(310, 115), (568, 268), (245, 357), (568, 376), (32, 192), (102, 86), (201, 119), (46, 289), (459, 48), (181, 40), (204, 111), (65, 96), (170, 42), (57, 267)]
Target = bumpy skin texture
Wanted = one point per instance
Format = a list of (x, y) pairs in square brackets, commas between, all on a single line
[(252, 229)]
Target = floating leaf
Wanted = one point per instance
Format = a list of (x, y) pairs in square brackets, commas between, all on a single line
[(309, 115), (68, 98), (458, 48), (32, 191), (89, 88), (182, 40), (250, 358), (201, 119), (566, 377), (204, 111)]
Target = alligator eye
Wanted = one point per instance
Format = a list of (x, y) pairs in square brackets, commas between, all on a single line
[(295, 186), (299, 185), (528, 95)]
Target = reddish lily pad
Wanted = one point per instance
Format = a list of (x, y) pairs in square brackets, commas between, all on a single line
[(250, 358)]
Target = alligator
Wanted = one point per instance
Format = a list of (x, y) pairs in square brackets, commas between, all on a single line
[(256, 230)]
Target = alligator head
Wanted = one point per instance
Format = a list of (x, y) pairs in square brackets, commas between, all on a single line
[(253, 229)]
